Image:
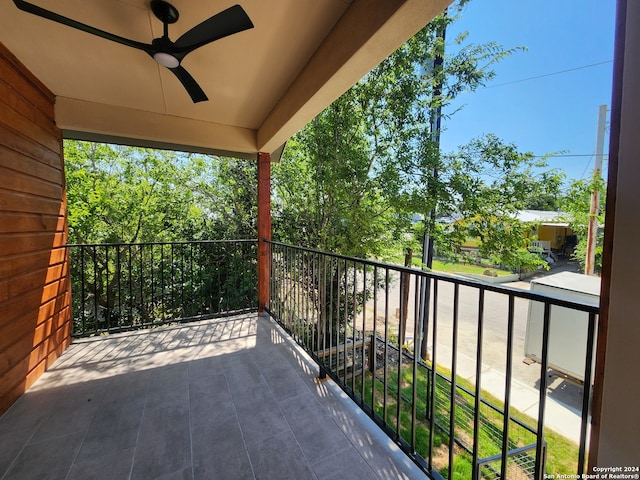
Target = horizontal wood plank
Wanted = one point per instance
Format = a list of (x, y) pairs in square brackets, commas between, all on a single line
[(13, 223), (17, 101), (32, 280), (25, 203), (28, 311), (27, 81), (13, 140), (24, 183), (20, 162), (17, 244), (38, 338), (12, 120)]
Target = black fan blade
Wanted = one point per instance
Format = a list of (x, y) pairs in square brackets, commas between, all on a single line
[(41, 12), (232, 20), (190, 84)]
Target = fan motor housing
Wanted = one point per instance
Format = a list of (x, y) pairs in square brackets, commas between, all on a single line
[(164, 11)]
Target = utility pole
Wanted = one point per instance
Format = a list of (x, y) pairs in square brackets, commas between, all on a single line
[(592, 233), (427, 239)]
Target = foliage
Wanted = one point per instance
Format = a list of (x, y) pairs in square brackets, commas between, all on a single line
[(352, 180), (326, 192), (226, 190), (547, 197), (576, 204), (122, 194), (480, 190), (123, 287), (134, 195)]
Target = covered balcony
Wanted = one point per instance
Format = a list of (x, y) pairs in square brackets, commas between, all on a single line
[(207, 376), (239, 393)]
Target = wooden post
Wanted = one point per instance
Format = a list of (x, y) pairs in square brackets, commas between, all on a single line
[(592, 233), (405, 280), (264, 228)]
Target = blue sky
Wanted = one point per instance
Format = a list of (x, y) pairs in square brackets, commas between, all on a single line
[(544, 115)]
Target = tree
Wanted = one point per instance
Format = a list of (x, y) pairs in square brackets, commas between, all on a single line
[(484, 185), (226, 191), (327, 194), (347, 181), (121, 194), (139, 199), (547, 197), (576, 204)]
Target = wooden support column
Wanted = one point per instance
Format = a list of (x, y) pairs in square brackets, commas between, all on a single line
[(264, 228), (615, 419)]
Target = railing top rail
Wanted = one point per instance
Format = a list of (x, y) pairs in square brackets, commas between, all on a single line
[(581, 305), (184, 242)]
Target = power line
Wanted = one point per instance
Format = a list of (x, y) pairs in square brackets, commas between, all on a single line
[(568, 155), (585, 168), (550, 74)]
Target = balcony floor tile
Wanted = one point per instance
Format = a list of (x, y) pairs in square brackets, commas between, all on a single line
[(224, 398)]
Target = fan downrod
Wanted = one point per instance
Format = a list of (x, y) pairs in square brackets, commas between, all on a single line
[(164, 11)]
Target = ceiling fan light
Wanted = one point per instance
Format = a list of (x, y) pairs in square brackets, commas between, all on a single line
[(166, 59)]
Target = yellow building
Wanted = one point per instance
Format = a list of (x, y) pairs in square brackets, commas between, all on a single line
[(549, 231)]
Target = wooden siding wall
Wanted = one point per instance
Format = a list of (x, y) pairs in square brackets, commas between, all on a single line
[(35, 294)]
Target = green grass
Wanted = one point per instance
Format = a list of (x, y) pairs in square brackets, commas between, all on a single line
[(562, 454), (449, 267)]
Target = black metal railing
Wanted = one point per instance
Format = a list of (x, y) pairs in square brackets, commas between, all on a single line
[(118, 287), (357, 319)]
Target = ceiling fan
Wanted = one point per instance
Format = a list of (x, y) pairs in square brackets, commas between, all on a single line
[(164, 51)]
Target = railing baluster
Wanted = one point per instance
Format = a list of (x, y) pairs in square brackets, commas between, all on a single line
[(544, 366), (478, 390), (364, 329), (311, 311), (96, 305), (434, 368), (192, 309), (374, 339), (334, 297), (119, 270), (345, 320), (386, 345), (130, 270), (82, 294), (301, 296), (162, 289), (353, 328), (415, 364), (182, 274), (107, 285), (507, 387), (586, 393), (152, 285), (454, 378), (173, 277), (401, 327)]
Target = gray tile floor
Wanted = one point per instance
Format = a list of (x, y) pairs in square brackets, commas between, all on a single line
[(228, 398)]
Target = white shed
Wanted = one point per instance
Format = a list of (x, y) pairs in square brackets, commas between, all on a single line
[(568, 328)]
